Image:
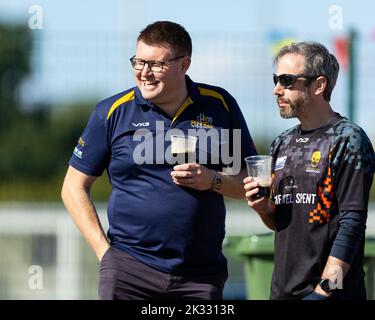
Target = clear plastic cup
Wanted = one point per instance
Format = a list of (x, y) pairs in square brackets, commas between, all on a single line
[(183, 148), (259, 168)]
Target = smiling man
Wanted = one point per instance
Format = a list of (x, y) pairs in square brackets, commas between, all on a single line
[(323, 170), (166, 223)]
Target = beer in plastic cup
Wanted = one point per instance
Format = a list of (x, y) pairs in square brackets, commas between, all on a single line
[(259, 168), (183, 147)]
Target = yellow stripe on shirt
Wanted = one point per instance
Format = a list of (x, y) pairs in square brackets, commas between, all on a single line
[(128, 97), (181, 109), (215, 94)]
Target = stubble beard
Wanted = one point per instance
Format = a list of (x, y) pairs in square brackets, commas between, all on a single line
[(295, 109)]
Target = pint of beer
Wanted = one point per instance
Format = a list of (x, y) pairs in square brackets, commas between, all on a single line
[(259, 168), (183, 148)]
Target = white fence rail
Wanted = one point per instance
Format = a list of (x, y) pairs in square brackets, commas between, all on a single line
[(43, 256)]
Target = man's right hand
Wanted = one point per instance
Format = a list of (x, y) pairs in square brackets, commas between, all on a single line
[(252, 188), (261, 205)]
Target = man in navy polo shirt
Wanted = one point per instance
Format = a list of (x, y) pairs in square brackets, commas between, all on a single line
[(166, 220)]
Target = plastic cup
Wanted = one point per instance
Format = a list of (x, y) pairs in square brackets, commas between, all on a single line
[(259, 168), (183, 147)]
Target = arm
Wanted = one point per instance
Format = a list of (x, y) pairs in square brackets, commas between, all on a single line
[(199, 177), (335, 270), (75, 194), (262, 206), (345, 246), (353, 181)]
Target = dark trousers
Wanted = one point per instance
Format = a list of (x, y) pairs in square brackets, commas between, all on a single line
[(123, 277)]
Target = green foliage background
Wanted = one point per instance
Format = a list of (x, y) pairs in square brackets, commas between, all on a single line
[(35, 145)]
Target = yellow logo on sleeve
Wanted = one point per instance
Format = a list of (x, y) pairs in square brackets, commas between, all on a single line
[(81, 142)]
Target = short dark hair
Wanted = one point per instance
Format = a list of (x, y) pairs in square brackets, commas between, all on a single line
[(170, 33), (318, 61)]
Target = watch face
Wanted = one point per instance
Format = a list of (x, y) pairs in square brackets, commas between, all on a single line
[(325, 284), (218, 183)]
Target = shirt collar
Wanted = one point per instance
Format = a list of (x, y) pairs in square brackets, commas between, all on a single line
[(139, 100)]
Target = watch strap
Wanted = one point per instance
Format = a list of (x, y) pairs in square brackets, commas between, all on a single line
[(217, 182)]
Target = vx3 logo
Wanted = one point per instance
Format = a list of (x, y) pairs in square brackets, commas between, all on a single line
[(141, 124), (302, 140)]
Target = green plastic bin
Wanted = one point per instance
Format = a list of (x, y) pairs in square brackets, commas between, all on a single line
[(257, 252)]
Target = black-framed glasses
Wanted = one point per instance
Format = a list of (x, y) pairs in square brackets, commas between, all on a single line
[(288, 80), (155, 66)]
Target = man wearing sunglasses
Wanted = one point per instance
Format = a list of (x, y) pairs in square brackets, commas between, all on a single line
[(166, 222), (323, 171)]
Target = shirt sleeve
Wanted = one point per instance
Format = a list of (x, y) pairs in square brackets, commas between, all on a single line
[(352, 227), (353, 170), (91, 154)]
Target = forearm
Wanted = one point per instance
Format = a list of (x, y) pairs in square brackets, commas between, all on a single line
[(199, 177), (334, 270), (352, 226), (263, 205), (267, 215), (79, 205), (232, 185)]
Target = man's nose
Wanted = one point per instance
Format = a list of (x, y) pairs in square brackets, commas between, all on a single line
[(146, 70), (278, 90)]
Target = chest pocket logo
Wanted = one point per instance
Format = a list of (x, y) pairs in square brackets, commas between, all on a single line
[(202, 121)]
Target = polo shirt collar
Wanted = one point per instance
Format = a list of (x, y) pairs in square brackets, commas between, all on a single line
[(193, 90), (139, 100)]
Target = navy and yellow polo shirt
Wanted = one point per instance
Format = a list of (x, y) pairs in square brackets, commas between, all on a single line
[(174, 229)]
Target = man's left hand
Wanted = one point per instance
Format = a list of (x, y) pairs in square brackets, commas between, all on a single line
[(321, 292), (193, 175)]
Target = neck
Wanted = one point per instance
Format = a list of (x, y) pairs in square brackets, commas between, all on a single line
[(172, 103), (316, 117)]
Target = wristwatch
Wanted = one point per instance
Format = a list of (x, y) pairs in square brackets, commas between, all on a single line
[(326, 285), (217, 182)]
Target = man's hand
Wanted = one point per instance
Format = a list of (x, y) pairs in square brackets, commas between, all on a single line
[(193, 175), (262, 205), (252, 188), (321, 292)]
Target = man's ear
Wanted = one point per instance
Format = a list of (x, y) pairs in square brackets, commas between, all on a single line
[(320, 85), (186, 61)]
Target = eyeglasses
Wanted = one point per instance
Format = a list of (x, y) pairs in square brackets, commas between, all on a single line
[(288, 80), (155, 66)]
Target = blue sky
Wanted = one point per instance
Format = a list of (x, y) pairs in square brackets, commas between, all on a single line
[(83, 49)]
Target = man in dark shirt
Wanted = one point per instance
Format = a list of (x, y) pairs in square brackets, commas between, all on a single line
[(323, 171), (166, 221)]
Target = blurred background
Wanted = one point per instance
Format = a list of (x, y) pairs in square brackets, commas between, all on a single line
[(58, 59)]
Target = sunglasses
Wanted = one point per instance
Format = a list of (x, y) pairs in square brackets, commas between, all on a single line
[(288, 80)]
